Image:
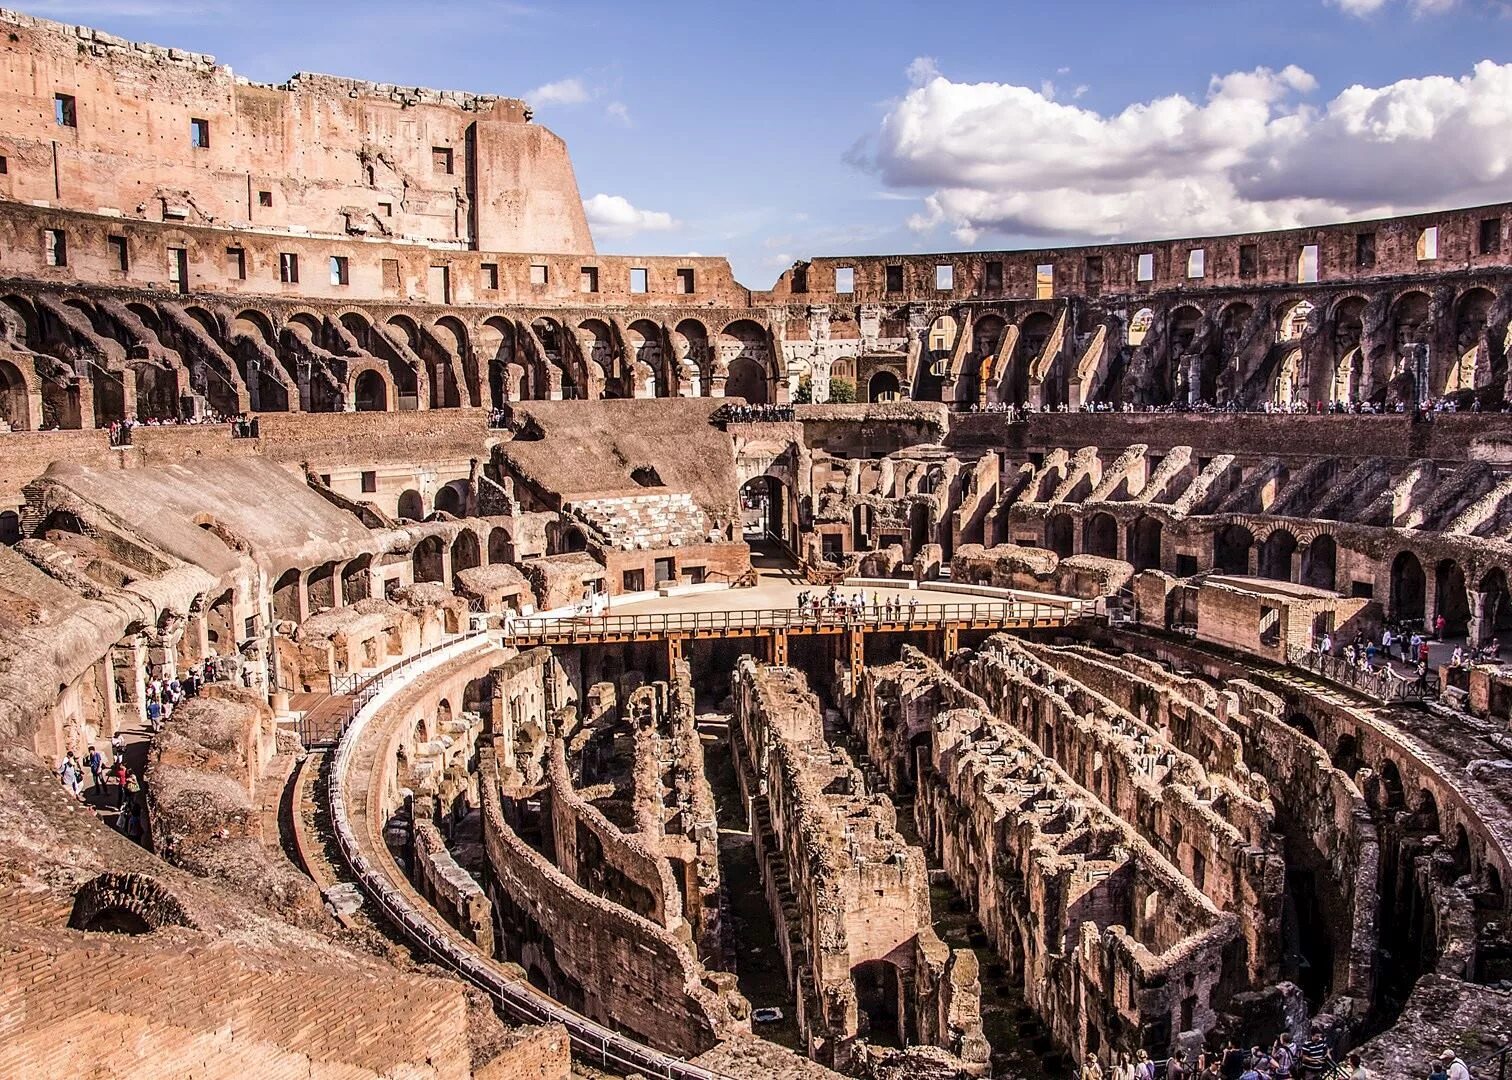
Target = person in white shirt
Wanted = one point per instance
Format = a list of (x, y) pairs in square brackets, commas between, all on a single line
[(1456, 1067)]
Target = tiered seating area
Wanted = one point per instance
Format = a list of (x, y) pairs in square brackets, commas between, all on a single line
[(642, 522)]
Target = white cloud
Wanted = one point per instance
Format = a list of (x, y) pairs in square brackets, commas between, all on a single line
[(1359, 7), (1365, 8), (562, 92), (614, 215), (618, 110), (996, 158)]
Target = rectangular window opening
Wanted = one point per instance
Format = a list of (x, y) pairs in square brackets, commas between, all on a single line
[(994, 282), (4, 165), (120, 258), (178, 269), (339, 275), (65, 110), (894, 279), (1196, 263), (1144, 269), (439, 285), (538, 273), (369, 482), (1092, 274), (1044, 281), (1307, 264), (199, 134), (490, 277), (264, 198), (1427, 245), (1487, 243), (441, 159), (638, 279), (236, 263), (685, 280), (390, 275), (588, 279), (1249, 260), (386, 209), (845, 279), (55, 247), (800, 278), (944, 277), (288, 268), (1365, 250)]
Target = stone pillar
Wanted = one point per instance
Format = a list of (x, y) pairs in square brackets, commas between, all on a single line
[(1480, 629)]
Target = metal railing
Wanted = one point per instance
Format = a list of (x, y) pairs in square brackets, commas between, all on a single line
[(518, 1000), (1381, 683), (362, 686), (754, 622), (1500, 1057)]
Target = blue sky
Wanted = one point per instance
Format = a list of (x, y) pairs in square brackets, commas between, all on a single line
[(773, 131)]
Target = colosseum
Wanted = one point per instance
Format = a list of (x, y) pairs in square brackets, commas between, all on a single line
[(432, 649)]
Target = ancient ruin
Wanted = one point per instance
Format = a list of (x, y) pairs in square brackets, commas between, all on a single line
[(520, 667)]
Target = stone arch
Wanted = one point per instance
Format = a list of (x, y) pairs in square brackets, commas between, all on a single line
[(465, 552), (1033, 334), (126, 903), (370, 390), (1451, 599), (411, 505), (1100, 536), (643, 340), (507, 380), (1059, 530), (1292, 320), (1496, 615), (427, 559), (452, 498), (20, 399), (1409, 588), (1320, 563), (1140, 324), (746, 339), (1472, 312), (457, 362), (1231, 549), (883, 386), (357, 579), (747, 379), (320, 588), (1388, 791), (1287, 388), (500, 546), (1346, 755), (696, 334), (286, 596), (1276, 555), (1145, 537)]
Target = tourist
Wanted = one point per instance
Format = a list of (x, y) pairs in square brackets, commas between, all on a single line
[(1233, 1064), (1438, 626), (154, 714), (1415, 645), (1283, 1054), (118, 778), (1312, 1055), (117, 747), (72, 776), (94, 761), (1357, 1070), (1144, 1068), (1457, 657), (1423, 651), (1175, 1069), (1386, 643), (1453, 1066), (1328, 643), (1091, 1068), (1437, 1071), (1123, 1068)]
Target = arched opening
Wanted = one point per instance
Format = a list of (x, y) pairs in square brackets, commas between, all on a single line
[(1294, 320), (1460, 852), (1144, 546), (1451, 599), (747, 379), (1408, 588), (321, 588), (411, 505), (1496, 614), (1319, 563), (877, 1002), (451, 499), (883, 386), (1427, 812), (1391, 796), (465, 553), (15, 407), (286, 596), (370, 394), (1346, 756), (496, 347), (1059, 534), (500, 546), (563, 537), (1303, 723), (357, 579), (1231, 549), (429, 559), (1288, 389), (1034, 333), (219, 626), (764, 511), (1276, 555), (1100, 536), (1139, 327), (10, 526)]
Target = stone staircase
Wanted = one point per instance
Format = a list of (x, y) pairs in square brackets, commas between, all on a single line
[(643, 522)]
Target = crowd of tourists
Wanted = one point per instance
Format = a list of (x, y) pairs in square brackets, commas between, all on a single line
[(1284, 1059), (1405, 645), (242, 426), (1422, 411), (834, 604), (118, 791), (757, 414)]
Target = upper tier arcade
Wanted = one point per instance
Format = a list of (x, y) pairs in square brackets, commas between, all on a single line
[(103, 125)]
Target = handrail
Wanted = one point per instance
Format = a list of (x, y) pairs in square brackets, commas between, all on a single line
[(1383, 685), (759, 620), (519, 1000)]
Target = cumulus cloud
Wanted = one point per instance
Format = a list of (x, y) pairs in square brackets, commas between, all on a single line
[(562, 92), (615, 215), (999, 158)]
